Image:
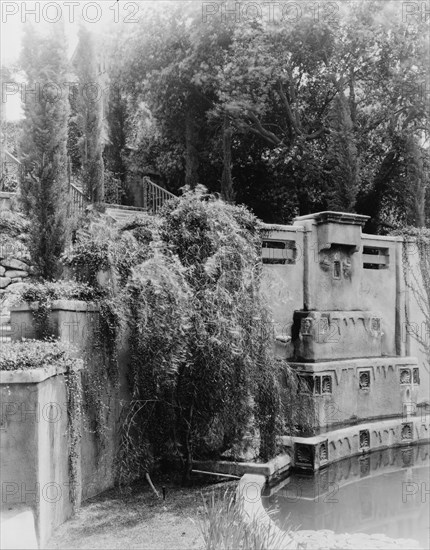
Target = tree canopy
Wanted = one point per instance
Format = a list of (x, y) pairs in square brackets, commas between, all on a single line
[(288, 116)]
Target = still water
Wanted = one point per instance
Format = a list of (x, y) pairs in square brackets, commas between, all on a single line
[(384, 492)]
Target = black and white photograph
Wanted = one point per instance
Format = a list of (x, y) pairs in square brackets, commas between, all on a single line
[(215, 275)]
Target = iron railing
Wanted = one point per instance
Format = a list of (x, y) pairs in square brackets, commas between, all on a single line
[(154, 196), (78, 200)]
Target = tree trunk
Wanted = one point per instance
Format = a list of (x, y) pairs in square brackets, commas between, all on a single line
[(192, 155), (227, 192)]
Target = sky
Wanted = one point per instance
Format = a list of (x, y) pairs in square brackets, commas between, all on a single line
[(16, 15)]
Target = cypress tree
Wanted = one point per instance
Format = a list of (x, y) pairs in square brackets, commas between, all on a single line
[(89, 116), (43, 146), (343, 158)]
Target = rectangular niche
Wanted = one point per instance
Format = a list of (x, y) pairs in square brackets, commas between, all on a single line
[(323, 451), (326, 384), (407, 432), (316, 385), (364, 439), (416, 375), (279, 252), (364, 380), (304, 455), (375, 258), (405, 376)]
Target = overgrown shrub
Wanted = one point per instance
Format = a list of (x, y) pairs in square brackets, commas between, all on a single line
[(202, 371)]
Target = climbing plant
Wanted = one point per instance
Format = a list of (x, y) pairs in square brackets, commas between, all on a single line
[(416, 276)]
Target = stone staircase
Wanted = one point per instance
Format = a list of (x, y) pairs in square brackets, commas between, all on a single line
[(153, 198), (123, 214)]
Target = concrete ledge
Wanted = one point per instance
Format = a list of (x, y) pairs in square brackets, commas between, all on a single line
[(64, 305), (269, 470), (336, 445), (33, 376), (253, 513)]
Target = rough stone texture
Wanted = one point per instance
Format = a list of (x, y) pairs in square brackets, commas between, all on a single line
[(14, 288), (2, 271), (4, 282), (13, 263), (16, 274)]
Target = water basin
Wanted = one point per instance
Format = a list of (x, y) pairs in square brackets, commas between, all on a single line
[(386, 492)]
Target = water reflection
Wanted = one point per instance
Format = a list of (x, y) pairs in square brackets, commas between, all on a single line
[(384, 492)]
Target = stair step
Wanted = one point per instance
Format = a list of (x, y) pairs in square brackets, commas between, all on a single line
[(124, 213)]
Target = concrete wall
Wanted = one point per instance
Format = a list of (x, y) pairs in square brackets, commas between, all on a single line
[(303, 282), (40, 454), (34, 446)]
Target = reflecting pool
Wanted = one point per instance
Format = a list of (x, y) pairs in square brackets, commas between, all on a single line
[(385, 492)]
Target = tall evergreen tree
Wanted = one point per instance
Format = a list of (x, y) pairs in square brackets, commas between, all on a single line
[(343, 161), (89, 116), (43, 145)]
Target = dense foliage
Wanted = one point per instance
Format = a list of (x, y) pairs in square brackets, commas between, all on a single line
[(34, 354), (202, 373), (325, 109)]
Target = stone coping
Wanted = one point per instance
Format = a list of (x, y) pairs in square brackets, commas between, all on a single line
[(279, 227), (33, 376), (361, 362), (384, 238), (64, 305), (329, 216), (253, 513), (288, 440)]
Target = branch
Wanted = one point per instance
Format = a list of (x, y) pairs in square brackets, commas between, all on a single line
[(258, 129), (286, 103)]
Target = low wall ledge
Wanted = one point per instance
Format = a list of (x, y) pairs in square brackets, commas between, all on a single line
[(64, 305), (33, 376)]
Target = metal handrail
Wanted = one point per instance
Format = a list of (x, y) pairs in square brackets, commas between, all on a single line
[(78, 199), (154, 196)]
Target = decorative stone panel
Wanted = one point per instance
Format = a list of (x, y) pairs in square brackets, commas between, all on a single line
[(405, 376), (407, 432), (364, 439)]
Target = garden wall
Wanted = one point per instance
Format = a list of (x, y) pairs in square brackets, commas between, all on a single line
[(34, 446), (290, 261), (44, 444)]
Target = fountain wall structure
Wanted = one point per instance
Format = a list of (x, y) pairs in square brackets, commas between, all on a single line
[(346, 320)]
